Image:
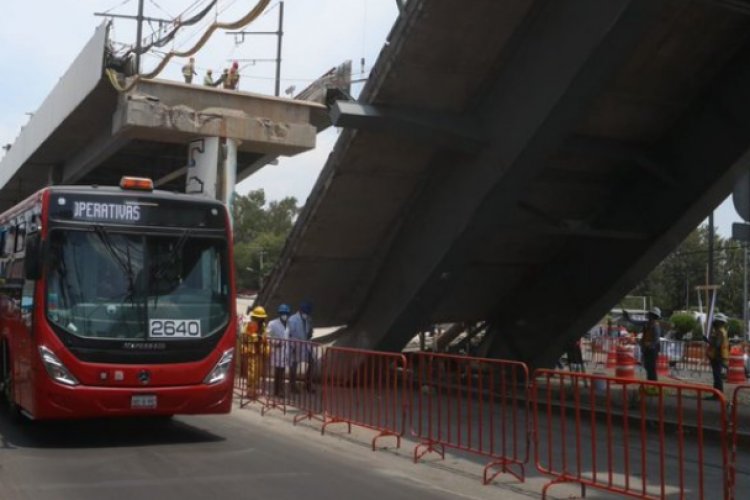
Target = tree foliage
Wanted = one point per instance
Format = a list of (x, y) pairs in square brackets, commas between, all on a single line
[(260, 231), (684, 324), (671, 285)]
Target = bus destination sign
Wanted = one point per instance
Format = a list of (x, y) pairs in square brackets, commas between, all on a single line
[(145, 210)]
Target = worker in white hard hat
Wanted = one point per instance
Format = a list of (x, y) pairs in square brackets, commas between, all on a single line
[(650, 340)]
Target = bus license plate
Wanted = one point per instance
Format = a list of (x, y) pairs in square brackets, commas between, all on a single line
[(143, 401)]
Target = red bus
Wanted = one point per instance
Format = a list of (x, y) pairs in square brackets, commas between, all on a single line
[(116, 301)]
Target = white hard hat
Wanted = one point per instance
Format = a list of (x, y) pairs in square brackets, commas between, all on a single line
[(656, 312), (720, 318)]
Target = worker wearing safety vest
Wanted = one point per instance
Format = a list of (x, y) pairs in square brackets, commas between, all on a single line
[(718, 349), (255, 349), (650, 340), (232, 81), (189, 70)]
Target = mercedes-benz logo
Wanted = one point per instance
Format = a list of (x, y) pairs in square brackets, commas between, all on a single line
[(144, 376)]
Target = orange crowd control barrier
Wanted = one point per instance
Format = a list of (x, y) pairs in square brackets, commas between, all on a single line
[(612, 434), (280, 373), (475, 405), (740, 423), (366, 389)]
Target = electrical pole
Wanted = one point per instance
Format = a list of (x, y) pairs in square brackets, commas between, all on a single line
[(260, 273), (711, 249), (279, 38), (744, 292), (139, 34), (140, 18), (279, 34)]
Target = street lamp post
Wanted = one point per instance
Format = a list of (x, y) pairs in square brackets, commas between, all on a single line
[(261, 267)]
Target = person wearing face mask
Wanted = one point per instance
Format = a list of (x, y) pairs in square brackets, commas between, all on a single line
[(300, 328), (278, 331)]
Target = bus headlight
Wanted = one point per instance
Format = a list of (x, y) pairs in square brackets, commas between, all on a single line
[(55, 369), (221, 370)]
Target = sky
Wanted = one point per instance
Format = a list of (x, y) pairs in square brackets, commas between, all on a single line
[(36, 49)]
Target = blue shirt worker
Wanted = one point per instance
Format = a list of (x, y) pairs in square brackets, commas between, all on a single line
[(301, 329), (278, 331)]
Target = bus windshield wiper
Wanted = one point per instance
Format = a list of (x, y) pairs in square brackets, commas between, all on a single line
[(161, 272), (127, 267)]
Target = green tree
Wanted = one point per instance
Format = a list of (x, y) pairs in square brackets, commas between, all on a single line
[(671, 285), (260, 231)]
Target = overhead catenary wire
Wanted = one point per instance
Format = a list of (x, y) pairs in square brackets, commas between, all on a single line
[(198, 31), (116, 6), (253, 14), (161, 42), (153, 2)]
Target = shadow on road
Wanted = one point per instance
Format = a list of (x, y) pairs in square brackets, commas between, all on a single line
[(97, 433)]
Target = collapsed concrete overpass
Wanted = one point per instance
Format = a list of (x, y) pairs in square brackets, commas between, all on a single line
[(86, 132), (525, 162)]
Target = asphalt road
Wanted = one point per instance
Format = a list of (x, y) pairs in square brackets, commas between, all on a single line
[(207, 457)]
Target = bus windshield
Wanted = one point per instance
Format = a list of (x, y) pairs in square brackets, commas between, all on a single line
[(108, 285)]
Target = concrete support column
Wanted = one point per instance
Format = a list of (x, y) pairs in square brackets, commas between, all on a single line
[(212, 168)]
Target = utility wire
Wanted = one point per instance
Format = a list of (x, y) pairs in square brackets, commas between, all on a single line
[(116, 6), (161, 8), (253, 14)]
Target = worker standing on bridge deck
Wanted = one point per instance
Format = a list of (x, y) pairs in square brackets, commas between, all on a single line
[(232, 80), (208, 80), (718, 350), (255, 349), (278, 331), (189, 70), (300, 328), (650, 340)]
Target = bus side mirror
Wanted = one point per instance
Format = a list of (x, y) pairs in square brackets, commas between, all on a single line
[(32, 264)]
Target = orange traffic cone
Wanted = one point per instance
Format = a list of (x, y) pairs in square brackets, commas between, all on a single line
[(736, 372), (611, 358), (625, 362), (662, 365)]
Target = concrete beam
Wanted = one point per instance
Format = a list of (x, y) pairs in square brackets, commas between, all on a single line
[(102, 147), (143, 118), (614, 150), (449, 131), (711, 146), (528, 113)]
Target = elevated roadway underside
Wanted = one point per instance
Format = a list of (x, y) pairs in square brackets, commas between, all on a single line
[(523, 162)]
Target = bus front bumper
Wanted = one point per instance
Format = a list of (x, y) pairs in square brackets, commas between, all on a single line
[(57, 401)]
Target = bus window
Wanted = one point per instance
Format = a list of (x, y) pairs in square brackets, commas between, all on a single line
[(9, 241), (20, 243)]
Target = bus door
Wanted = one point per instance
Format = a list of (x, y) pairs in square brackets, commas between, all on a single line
[(17, 299)]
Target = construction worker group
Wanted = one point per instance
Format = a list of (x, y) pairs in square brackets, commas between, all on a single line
[(229, 79), (268, 352)]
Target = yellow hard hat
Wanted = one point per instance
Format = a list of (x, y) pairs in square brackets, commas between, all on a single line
[(259, 313)]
